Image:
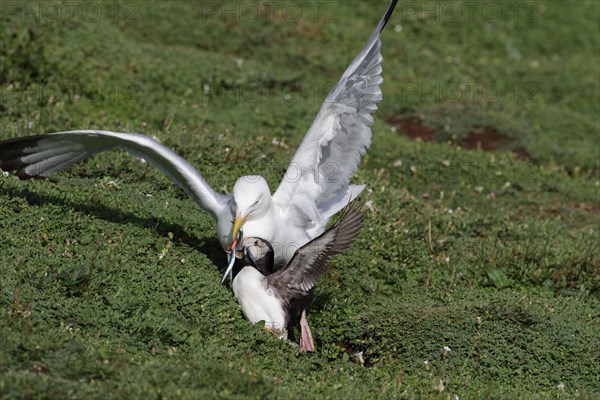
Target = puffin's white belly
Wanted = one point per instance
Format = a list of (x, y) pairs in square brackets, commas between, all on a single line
[(257, 301)]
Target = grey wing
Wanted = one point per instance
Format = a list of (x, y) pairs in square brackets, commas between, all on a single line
[(309, 262), (43, 155), (330, 153)]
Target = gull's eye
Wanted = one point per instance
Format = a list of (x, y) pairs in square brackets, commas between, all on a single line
[(256, 243), (255, 203)]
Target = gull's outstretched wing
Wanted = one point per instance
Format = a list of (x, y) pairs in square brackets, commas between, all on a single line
[(309, 261), (43, 155), (317, 180)]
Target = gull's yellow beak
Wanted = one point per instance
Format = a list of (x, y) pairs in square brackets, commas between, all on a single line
[(237, 225), (232, 249)]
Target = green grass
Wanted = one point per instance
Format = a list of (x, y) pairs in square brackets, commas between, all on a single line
[(110, 275)]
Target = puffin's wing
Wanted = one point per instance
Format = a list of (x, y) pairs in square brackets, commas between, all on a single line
[(309, 261), (43, 155), (317, 179)]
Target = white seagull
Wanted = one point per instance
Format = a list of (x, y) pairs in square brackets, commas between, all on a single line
[(315, 187), (281, 298)]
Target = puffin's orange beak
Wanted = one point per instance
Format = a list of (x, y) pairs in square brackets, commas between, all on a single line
[(232, 246)]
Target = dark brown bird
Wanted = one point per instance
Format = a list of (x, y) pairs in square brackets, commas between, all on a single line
[(281, 298)]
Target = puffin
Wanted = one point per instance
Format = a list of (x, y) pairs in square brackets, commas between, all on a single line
[(281, 298), (315, 187)]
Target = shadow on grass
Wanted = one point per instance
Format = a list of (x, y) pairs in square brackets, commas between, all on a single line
[(209, 246)]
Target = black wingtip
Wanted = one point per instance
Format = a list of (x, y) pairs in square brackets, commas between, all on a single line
[(11, 164), (22, 175), (388, 13), (12, 151)]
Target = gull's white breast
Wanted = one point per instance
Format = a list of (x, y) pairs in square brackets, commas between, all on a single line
[(257, 301), (282, 229)]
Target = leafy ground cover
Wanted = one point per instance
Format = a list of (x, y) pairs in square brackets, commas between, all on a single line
[(477, 274)]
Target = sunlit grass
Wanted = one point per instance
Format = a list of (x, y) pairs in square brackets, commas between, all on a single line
[(110, 283)]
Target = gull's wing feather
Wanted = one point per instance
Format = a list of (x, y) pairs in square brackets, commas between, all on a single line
[(43, 155), (309, 261), (317, 180)]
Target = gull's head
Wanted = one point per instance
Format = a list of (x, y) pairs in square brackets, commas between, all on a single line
[(252, 199), (260, 255)]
